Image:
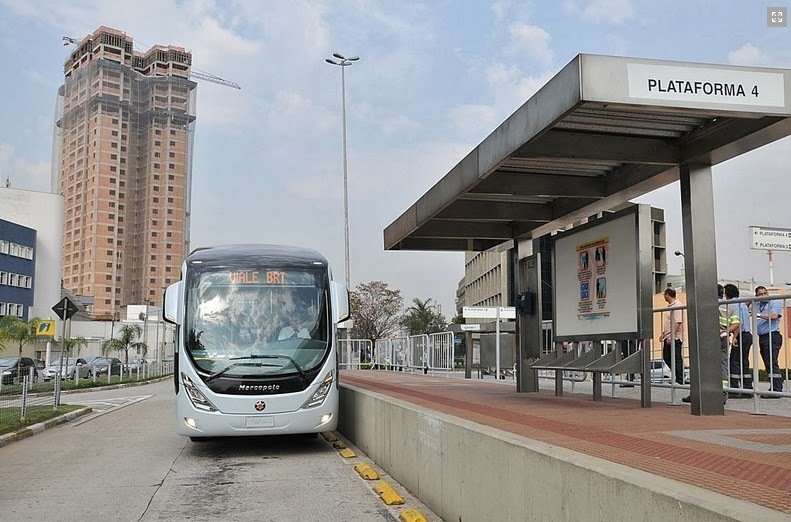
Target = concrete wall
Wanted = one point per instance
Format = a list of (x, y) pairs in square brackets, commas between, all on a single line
[(468, 472)]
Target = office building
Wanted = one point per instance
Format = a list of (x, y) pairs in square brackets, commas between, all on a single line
[(486, 275), (123, 166), (31, 233)]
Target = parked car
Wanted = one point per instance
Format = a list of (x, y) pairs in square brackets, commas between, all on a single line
[(71, 366), (138, 364), (100, 366), (660, 371), (13, 368)]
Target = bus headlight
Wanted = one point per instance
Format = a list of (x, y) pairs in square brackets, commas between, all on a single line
[(196, 397), (318, 397)]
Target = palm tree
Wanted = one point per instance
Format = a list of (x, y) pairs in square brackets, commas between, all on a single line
[(125, 341), (423, 318), (15, 330), (74, 343)]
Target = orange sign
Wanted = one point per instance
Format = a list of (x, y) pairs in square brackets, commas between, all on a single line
[(244, 277)]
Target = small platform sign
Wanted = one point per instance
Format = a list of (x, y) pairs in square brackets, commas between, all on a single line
[(488, 312)]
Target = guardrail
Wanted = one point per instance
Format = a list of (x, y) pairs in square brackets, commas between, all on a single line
[(765, 359), (425, 352)]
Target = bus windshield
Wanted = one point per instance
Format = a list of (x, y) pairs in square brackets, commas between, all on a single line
[(256, 321)]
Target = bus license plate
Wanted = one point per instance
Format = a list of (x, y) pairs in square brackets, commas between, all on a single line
[(259, 422)]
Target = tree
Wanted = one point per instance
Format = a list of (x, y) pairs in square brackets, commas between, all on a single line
[(14, 330), (126, 341), (73, 345), (376, 310), (423, 318)]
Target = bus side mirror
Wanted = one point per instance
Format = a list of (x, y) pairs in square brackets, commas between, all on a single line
[(171, 309), (340, 302)]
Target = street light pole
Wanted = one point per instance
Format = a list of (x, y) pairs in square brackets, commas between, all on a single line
[(343, 62)]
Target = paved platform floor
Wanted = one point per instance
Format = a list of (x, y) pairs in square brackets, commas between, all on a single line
[(738, 454)]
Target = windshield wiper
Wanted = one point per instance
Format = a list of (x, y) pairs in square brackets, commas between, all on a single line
[(231, 366), (276, 356)]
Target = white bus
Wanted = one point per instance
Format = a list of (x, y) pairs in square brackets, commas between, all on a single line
[(257, 341)]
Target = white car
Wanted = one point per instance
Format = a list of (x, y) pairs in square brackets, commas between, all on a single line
[(68, 369), (660, 371)]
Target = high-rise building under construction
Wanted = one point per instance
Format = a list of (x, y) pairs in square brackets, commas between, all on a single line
[(124, 133)]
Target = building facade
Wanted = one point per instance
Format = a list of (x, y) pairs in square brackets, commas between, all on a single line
[(40, 215), (17, 269), (124, 128), (486, 282)]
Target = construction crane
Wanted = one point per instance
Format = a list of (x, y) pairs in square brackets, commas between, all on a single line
[(194, 73), (200, 75)]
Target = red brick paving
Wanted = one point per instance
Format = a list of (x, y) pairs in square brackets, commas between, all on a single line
[(614, 429)]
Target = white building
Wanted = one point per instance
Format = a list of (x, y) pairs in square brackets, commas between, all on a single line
[(42, 212)]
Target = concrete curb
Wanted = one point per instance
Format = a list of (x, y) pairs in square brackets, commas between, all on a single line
[(14, 436)]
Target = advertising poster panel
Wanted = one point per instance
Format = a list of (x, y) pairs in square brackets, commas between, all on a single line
[(598, 278)]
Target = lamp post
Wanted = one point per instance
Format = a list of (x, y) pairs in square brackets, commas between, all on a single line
[(341, 61), (143, 316)]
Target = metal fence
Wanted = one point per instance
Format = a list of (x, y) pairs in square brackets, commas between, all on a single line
[(747, 357), (354, 353), (426, 353), (759, 357), (17, 400), (17, 397)]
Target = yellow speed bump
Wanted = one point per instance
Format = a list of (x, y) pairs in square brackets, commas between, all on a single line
[(347, 453), (412, 515), (338, 445), (329, 436), (387, 493), (366, 472)]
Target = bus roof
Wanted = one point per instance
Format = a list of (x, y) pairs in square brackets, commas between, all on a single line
[(282, 255)]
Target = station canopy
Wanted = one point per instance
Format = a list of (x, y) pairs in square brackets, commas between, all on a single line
[(601, 132)]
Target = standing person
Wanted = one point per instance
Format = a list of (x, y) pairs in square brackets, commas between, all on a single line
[(769, 338), (672, 330), (726, 320), (741, 342)]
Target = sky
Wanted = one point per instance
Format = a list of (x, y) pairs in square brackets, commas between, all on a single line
[(433, 80)]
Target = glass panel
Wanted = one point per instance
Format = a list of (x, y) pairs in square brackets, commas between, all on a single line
[(257, 321)]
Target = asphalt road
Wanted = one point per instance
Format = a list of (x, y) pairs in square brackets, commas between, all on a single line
[(126, 463)]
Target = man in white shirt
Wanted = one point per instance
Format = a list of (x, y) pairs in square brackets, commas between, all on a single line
[(295, 329)]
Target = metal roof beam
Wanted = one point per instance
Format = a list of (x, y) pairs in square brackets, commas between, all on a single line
[(558, 186), (496, 211), (464, 229), (458, 245), (601, 147)]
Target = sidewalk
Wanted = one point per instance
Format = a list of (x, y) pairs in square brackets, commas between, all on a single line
[(743, 456)]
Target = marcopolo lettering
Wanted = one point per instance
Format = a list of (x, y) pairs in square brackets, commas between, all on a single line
[(259, 387), (705, 88)]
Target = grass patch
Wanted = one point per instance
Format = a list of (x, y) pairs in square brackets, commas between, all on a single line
[(9, 417)]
